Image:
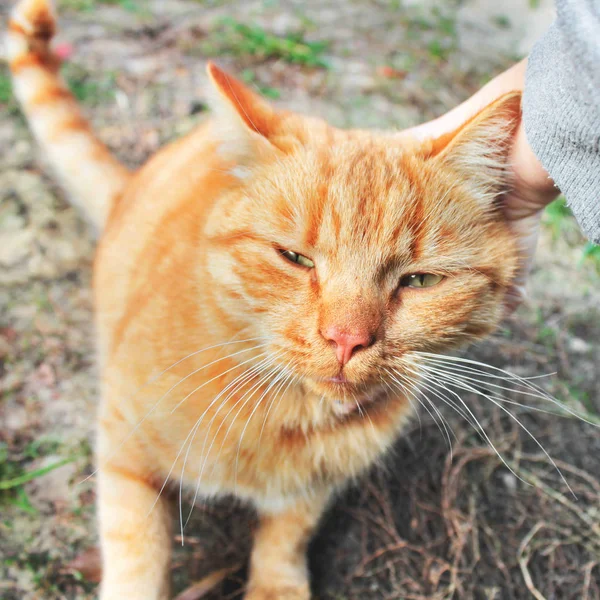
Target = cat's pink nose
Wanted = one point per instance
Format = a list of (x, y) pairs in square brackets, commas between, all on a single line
[(347, 343)]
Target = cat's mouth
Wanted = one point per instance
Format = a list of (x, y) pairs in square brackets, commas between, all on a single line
[(347, 397)]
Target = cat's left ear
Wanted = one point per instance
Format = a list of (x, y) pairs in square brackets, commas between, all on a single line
[(479, 150), (244, 122)]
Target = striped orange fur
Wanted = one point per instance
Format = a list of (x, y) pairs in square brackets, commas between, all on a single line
[(276, 386)]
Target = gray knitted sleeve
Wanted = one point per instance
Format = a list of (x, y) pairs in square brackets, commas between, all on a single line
[(561, 107)]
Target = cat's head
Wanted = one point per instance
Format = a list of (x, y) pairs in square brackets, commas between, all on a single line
[(348, 252)]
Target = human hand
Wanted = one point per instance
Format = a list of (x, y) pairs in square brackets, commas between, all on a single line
[(531, 190)]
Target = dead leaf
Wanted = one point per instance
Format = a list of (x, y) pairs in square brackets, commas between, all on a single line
[(205, 585), (391, 73), (88, 563)]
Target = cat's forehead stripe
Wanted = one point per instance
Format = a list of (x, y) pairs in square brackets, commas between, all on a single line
[(315, 215)]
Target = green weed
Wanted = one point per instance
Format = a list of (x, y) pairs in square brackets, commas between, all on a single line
[(578, 400), (40, 447), (133, 6), (14, 475), (9, 471), (437, 29), (5, 88), (546, 335), (237, 38), (558, 216), (8, 102), (581, 396), (19, 480), (501, 21), (88, 89), (248, 76), (559, 220), (591, 252)]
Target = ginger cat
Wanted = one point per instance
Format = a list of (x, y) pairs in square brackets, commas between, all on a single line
[(263, 288)]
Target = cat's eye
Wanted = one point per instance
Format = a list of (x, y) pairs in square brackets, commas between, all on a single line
[(299, 259), (421, 280)]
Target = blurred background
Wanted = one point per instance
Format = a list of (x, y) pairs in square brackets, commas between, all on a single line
[(427, 524)]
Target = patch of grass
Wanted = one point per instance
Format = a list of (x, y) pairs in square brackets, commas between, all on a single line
[(591, 252), (5, 88), (546, 334), (559, 220), (234, 37), (501, 21), (578, 400), (248, 76), (444, 23), (19, 480), (14, 475), (557, 216), (439, 27), (581, 396), (133, 6), (87, 88), (40, 447), (437, 49), (10, 470), (8, 102), (22, 502), (210, 3)]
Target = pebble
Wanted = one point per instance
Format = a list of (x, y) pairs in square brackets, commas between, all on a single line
[(578, 346)]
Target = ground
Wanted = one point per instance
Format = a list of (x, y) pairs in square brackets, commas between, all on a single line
[(429, 523)]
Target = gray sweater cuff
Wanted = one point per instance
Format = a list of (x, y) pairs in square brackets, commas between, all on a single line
[(562, 117)]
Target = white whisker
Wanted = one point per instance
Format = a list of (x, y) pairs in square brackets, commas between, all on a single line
[(414, 391), (249, 375), (235, 381), (442, 373), (457, 382), (257, 370), (213, 378), (155, 406), (536, 392), (480, 427), (403, 393), (466, 363), (280, 377), (282, 395), (246, 398)]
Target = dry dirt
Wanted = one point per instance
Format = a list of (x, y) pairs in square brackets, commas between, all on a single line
[(426, 525)]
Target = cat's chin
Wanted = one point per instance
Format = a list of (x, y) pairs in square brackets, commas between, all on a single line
[(347, 398), (348, 406)]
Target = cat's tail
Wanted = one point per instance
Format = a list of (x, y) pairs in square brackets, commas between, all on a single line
[(92, 176)]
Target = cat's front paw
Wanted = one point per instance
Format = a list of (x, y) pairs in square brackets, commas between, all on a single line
[(278, 593)]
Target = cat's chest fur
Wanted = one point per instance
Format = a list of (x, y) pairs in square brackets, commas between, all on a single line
[(275, 465)]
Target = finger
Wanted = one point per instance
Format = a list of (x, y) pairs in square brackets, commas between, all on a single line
[(526, 232)]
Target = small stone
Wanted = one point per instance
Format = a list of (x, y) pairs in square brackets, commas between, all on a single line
[(509, 481), (578, 346)]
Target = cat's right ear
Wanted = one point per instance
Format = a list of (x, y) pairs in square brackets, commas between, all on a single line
[(244, 121)]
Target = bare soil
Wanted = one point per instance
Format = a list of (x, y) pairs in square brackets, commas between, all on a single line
[(426, 524)]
